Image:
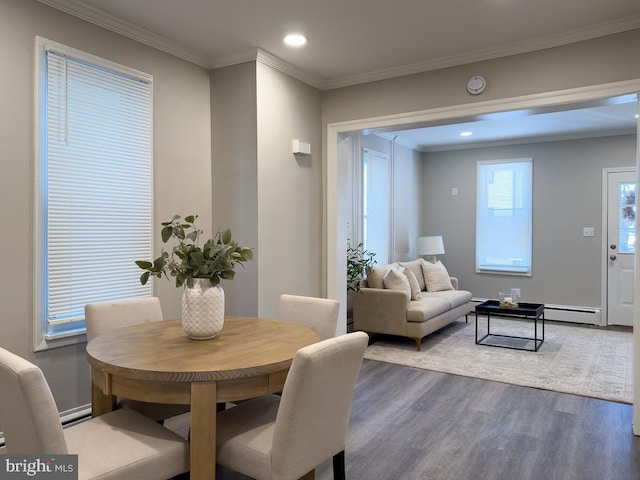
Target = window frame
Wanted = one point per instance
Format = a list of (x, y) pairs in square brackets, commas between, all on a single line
[(45, 336), (496, 269)]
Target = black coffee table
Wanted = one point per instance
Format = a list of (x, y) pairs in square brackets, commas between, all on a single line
[(534, 311)]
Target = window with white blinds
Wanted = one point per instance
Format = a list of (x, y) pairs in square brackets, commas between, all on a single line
[(503, 216), (94, 186)]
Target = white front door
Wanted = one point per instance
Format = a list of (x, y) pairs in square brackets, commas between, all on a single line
[(621, 245)]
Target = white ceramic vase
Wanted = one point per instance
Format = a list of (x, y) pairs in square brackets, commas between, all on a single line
[(202, 310)]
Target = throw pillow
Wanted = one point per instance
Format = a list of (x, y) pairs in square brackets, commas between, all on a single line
[(436, 276), (375, 276), (394, 279), (416, 267), (416, 294)]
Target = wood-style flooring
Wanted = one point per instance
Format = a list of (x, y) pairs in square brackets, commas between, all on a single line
[(411, 424)]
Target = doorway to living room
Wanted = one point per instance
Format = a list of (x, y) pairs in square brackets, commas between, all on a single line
[(339, 147)]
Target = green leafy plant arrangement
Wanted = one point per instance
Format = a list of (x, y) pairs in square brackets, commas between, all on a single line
[(359, 261), (215, 260)]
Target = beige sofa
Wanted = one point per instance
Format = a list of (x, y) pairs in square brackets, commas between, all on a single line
[(392, 311)]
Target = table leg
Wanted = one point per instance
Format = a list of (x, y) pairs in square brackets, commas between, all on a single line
[(203, 431), (476, 327), (101, 403)]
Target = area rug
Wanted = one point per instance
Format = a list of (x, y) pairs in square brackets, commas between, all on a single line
[(588, 361)]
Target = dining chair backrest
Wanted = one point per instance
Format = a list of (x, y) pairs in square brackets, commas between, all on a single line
[(319, 314), (313, 417), (29, 417), (104, 317), (118, 445)]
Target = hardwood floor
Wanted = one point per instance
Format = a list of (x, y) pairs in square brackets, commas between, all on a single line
[(411, 424)]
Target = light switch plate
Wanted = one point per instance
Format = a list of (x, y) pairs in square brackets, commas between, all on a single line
[(588, 232)]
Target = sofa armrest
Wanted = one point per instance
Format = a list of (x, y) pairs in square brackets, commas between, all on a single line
[(379, 310), (454, 282)]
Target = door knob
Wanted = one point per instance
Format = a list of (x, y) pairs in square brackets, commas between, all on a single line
[(613, 246), (612, 256)]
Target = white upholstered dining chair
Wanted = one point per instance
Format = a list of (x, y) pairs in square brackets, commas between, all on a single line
[(105, 317), (319, 314), (278, 438), (120, 445)]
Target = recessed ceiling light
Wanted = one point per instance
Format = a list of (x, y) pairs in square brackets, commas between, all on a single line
[(466, 134), (295, 40)]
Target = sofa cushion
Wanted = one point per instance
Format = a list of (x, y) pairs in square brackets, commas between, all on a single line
[(455, 298), (375, 275), (428, 307), (395, 279), (416, 293), (416, 267), (436, 277)]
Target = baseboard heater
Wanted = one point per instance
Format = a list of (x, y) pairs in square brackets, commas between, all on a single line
[(566, 313), (69, 417)]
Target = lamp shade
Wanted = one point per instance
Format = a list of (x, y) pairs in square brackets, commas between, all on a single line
[(430, 245)]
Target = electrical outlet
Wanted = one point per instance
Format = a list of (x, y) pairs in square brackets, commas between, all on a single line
[(454, 191), (588, 232)]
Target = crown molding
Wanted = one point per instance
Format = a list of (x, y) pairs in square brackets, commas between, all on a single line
[(130, 30), (288, 69), (526, 140), (574, 36), (394, 137), (267, 58)]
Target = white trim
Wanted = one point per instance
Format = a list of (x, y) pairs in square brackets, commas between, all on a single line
[(127, 29), (636, 313), (528, 140), (574, 36), (41, 339), (604, 269), (334, 233), (146, 37), (266, 58), (565, 313)]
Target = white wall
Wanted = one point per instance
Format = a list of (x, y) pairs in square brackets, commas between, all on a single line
[(181, 167)]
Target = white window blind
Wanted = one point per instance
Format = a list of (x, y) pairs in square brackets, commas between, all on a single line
[(95, 185), (503, 216)]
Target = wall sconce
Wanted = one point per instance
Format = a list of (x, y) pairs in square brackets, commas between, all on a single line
[(430, 247)]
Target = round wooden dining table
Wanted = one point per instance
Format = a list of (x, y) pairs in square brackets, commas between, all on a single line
[(157, 362)]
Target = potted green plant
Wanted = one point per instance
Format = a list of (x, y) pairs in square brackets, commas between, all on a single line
[(359, 261), (199, 270)]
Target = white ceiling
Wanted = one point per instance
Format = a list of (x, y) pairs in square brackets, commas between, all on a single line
[(356, 41), (614, 116)]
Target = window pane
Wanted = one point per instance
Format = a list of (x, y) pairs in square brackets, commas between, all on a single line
[(96, 188), (503, 220), (627, 216)]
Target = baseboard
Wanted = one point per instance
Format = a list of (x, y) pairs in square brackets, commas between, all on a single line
[(566, 313)]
